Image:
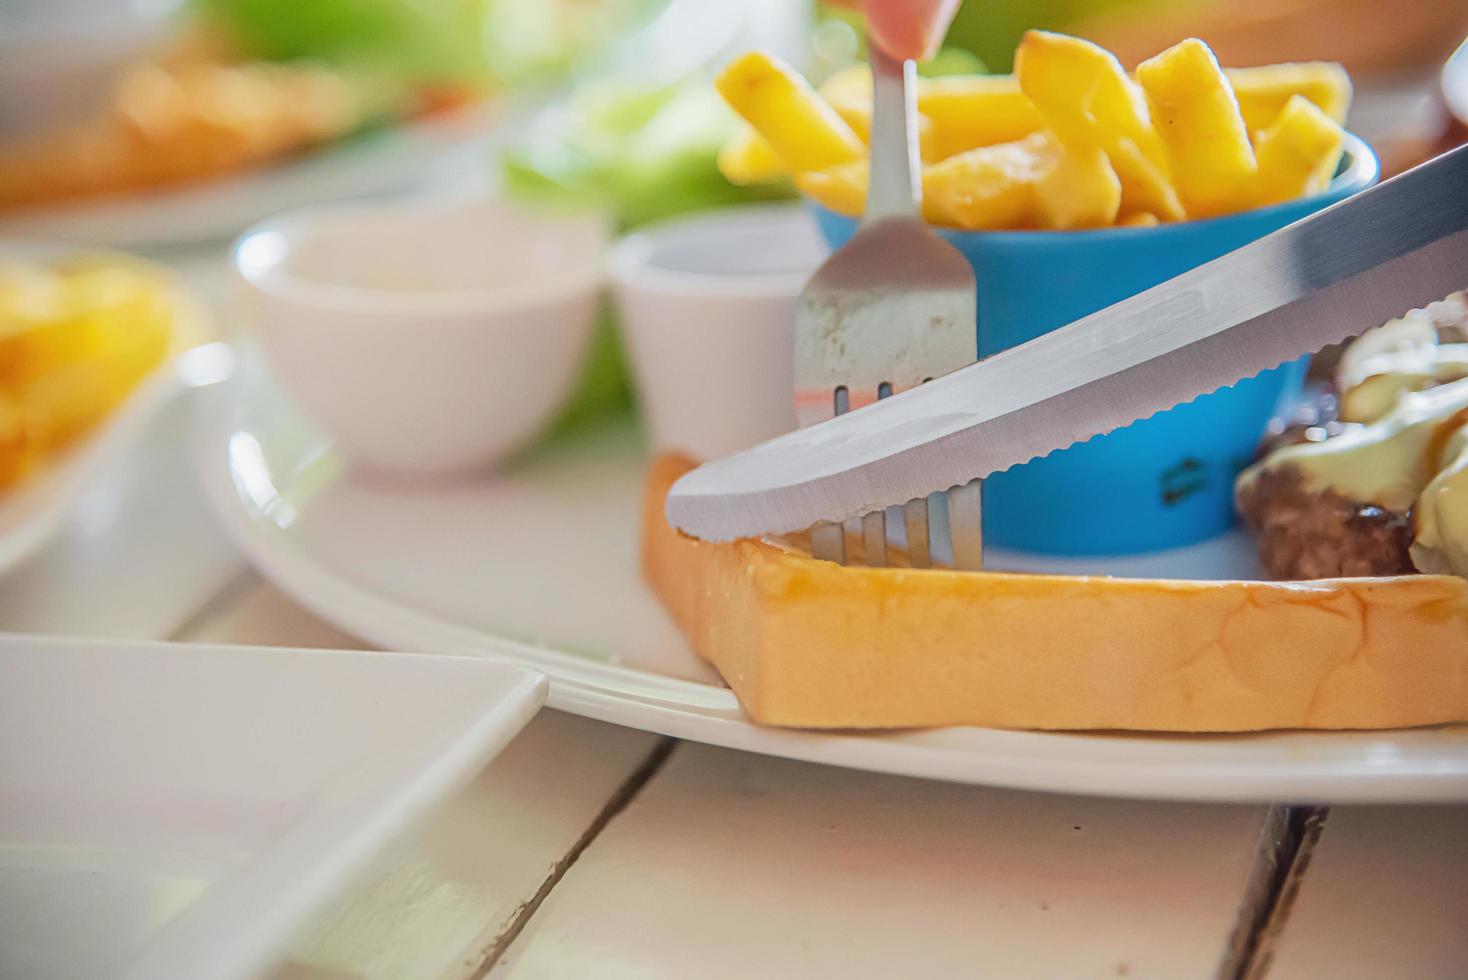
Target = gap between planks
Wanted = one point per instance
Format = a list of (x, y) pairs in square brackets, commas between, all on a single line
[(1286, 843), (619, 801)]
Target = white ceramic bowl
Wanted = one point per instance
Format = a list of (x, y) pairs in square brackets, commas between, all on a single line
[(59, 58), (424, 337), (708, 312)]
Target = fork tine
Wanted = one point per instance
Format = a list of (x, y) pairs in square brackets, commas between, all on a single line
[(841, 400), (874, 525), (874, 538), (828, 542), (915, 515), (827, 539), (966, 525)]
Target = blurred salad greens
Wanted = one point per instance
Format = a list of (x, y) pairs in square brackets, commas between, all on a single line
[(432, 43), (642, 151)]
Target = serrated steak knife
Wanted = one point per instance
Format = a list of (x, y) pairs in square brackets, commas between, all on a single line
[(1319, 281)]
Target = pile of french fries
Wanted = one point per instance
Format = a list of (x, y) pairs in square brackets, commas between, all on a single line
[(1070, 140), (75, 341)]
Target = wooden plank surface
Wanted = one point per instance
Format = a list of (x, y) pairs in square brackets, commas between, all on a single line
[(735, 865)]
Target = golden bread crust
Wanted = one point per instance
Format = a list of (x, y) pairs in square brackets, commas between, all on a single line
[(811, 644)]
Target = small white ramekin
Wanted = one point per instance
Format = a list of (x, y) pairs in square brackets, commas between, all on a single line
[(424, 337), (708, 312)]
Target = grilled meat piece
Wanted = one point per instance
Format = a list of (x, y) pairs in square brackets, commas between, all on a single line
[(1305, 533)]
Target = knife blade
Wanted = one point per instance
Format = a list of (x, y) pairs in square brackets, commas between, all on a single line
[(1319, 281)]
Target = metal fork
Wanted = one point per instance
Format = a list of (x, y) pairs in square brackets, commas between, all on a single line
[(892, 308)]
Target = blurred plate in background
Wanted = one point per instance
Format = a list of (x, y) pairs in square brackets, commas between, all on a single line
[(391, 159)]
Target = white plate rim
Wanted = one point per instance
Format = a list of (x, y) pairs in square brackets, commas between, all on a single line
[(699, 712)]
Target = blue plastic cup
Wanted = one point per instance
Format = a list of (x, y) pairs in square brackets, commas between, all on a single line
[(1163, 482)]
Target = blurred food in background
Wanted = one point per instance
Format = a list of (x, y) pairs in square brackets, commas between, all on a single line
[(173, 123), (248, 82), (76, 338)]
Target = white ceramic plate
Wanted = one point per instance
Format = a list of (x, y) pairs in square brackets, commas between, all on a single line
[(183, 811), (377, 162), (540, 565)]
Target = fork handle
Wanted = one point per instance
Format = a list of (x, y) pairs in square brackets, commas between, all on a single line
[(894, 187)]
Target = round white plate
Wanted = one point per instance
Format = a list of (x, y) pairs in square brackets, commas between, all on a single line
[(381, 161), (539, 564)]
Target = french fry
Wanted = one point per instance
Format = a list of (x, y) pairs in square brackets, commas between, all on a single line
[(858, 115), (1138, 219), (748, 158), (989, 187), (1080, 191), (1082, 91), (853, 84), (842, 189), (976, 110), (1262, 92), (964, 111), (801, 126), (1194, 109), (1298, 152)]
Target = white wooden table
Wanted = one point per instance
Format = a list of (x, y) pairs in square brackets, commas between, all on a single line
[(590, 851)]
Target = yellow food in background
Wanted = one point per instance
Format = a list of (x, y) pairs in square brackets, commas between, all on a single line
[(858, 115), (14, 446), (1069, 141), (1297, 152), (969, 111), (963, 111), (990, 187), (1198, 118), (1262, 92), (1084, 94), (75, 340), (748, 158), (842, 189), (1080, 191), (801, 126), (853, 84)]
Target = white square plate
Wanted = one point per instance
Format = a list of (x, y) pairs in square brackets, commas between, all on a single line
[(179, 810)]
